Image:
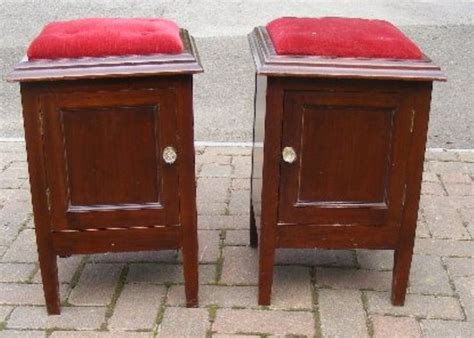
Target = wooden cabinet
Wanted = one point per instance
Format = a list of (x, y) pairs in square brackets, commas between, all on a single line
[(338, 155), (111, 157), (105, 150)]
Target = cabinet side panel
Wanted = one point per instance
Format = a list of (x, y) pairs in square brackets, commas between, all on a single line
[(258, 137)]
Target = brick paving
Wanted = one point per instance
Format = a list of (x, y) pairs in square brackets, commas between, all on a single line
[(316, 293)]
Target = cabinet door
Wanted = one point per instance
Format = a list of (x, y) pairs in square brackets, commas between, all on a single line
[(104, 158), (351, 150)]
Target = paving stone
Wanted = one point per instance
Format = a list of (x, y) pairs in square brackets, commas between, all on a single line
[(223, 222), (445, 248), (264, 322), (422, 230), (208, 246), (450, 167), (444, 328), (453, 202), (213, 158), (466, 156), (375, 259), (99, 334), (467, 215), (78, 318), (460, 267), (155, 273), (23, 249), (11, 183), (3, 249), (169, 256), (353, 279), (432, 188), (241, 184), (137, 307), (430, 177), (431, 307), (223, 296), (13, 216), (22, 334), (242, 166), (455, 178), (11, 272), (5, 310), (465, 289), (445, 223), (240, 266), (234, 151), (96, 285), (213, 189), (67, 268), (443, 155), (239, 202), (207, 273), (427, 276), (455, 189), (26, 294), (315, 257), (215, 170), (184, 322), (395, 327), (167, 273), (291, 288), (237, 237), (346, 304), (234, 336), (211, 208)]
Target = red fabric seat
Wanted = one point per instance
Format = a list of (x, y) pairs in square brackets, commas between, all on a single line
[(106, 37), (341, 37)]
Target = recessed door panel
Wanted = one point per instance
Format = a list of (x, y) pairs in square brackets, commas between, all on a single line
[(112, 155), (105, 161), (344, 143)]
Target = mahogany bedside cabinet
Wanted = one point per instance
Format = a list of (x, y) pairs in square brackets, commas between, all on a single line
[(108, 117), (341, 117)]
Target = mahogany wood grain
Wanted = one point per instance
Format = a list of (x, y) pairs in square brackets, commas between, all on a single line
[(187, 189), (95, 138), (38, 186), (404, 251), (269, 63), (358, 129), (93, 241), (270, 193), (111, 67)]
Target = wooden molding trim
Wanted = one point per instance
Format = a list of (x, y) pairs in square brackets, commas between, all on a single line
[(268, 62), (113, 66)]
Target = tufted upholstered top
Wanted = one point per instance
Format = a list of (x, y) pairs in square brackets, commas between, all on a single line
[(99, 37), (340, 37)]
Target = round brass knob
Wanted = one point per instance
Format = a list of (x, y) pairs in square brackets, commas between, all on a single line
[(289, 155), (169, 155)]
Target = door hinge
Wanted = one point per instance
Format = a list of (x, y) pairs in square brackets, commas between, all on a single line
[(48, 199), (412, 122), (41, 122)]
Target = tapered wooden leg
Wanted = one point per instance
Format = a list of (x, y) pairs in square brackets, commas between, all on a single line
[(253, 228), (267, 260), (401, 273), (49, 275), (191, 272)]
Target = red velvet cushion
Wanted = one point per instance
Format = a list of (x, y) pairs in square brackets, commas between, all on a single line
[(105, 37), (341, 37)]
